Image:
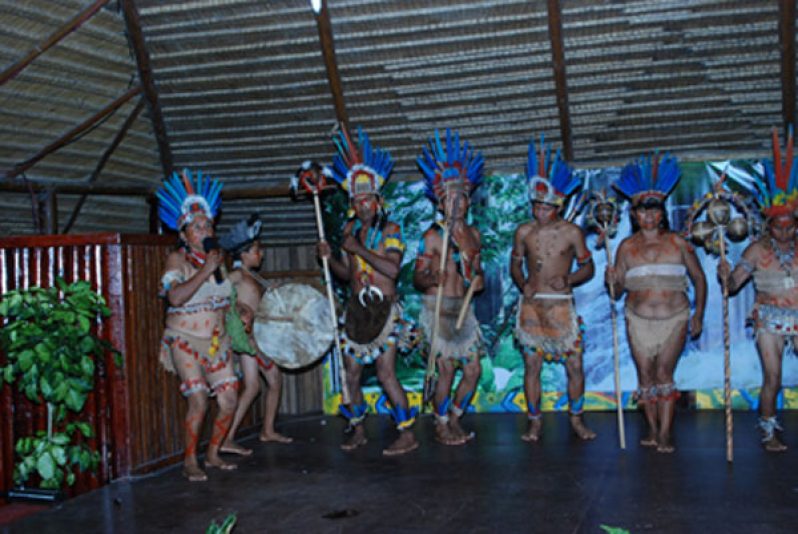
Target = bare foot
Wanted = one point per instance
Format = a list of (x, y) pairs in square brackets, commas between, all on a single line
[(580, 429), (664, 445), (218, 463), (231, 447), (407, 442), (444, 435), (533, 430), (275, 437), (650, 440), (774, 445), (357, 439), (457, 430), (193, 473)]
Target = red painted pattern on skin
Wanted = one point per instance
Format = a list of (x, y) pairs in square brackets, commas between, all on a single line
[(220, 427), (192, 438)]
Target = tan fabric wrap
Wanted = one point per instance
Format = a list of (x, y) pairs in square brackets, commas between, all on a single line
[(773, 282), (658, 282), (647, 336)]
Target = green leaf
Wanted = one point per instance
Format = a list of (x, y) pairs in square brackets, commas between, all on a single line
[(74, 400), (43, 351), (87, 365), (25, 360), (8, 373), (59, 454), (85, 429), (60, 439), (32, 392), (85, 325), (46, 389), (45, 466), (70, 479), (24, 446), (613, 530)]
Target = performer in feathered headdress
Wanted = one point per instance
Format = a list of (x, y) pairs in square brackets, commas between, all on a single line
[(448, 271), (771, 262), (242, 242), (547, 326), (652, 265), (195, 343), (371, 260)]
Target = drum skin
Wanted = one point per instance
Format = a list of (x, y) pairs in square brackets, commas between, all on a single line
[(293, 325)]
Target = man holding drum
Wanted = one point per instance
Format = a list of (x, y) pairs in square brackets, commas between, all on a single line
[(242, 243), (371, 259)]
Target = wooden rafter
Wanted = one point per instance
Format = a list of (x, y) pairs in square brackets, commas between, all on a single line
[(51, 41), (120, 135), (72, 134), (80, 188), (787, 48), (328, 51), (136, 36), (560, 81)]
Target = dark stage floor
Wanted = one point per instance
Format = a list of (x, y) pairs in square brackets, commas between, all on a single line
[(496, 483)]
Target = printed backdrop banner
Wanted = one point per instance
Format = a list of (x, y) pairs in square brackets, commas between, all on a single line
[(498, 206)]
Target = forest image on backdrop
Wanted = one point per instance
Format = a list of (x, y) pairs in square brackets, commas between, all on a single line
[(498, 206)]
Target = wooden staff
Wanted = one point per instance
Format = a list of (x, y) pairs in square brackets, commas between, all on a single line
[(726, 354), (429, 376), (615, 352), (464, 308), (345, 398)]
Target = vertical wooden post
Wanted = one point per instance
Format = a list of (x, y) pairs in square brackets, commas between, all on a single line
[(787, 49), (48, 212)]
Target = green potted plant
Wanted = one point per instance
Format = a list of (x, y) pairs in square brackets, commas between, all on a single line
[(50, 349)]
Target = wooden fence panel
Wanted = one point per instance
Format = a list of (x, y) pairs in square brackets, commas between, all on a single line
[(135, 409)]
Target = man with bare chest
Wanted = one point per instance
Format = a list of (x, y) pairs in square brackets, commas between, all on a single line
[(372, 250), (547, 326), (449, 181)]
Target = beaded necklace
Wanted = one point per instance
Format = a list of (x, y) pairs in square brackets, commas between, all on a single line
[(785, 257), (196, 259)]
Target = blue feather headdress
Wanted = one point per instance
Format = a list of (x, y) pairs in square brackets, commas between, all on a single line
[(363, 171), (549, 181), (649, 178), (452, 166), (181, 198)]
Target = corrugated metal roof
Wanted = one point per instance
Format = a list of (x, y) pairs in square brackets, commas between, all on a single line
[(244, 92)]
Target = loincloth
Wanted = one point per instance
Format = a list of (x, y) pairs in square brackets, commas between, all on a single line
[(775, 320), (547, 325), (212, 353), (649, 335), (392, 333), (449, 343)]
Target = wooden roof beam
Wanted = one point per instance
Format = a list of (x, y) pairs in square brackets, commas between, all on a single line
[(65, 139), (83, 188), (560, 81), (51, 41), (133, 23), (120, 135), (330, 62), (787, 49)]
